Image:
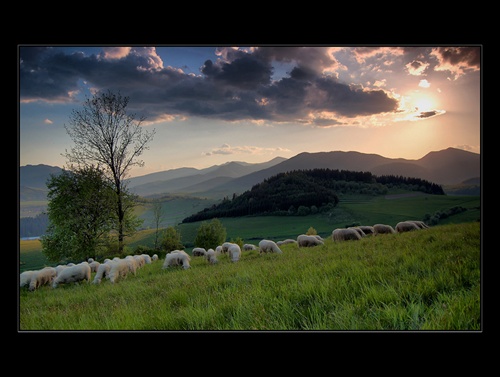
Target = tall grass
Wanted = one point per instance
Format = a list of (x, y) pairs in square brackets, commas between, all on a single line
[(423, 280)]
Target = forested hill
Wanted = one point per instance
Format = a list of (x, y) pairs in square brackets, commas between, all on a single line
[(308, 191)]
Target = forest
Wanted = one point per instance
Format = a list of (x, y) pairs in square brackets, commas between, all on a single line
[(301, 192)]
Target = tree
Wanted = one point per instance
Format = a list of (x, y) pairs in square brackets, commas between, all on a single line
[(157, 219), (80, 212), (210, 234), (171, 239), (106, 136)]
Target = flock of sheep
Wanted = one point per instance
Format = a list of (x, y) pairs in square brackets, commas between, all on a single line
[(118, 268)]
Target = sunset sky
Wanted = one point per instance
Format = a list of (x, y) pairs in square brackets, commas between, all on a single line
[(214, 104)]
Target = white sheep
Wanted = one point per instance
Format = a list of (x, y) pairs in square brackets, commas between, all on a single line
[(177, 258), (359, 230), (234, 252), (345, 234), (94, 265), (225, 246), (406, 226), (119, 270), (102, 271), (268, 246), (139, 260), (305, 240), (132, 264), (73, 274), (147, 258), (367, 229), (383, 229), (25, 278), (198, 252), (287, 241), (218, 250), (211, 257), (154, 258), (42, 277), (249, 246), (419, 223)]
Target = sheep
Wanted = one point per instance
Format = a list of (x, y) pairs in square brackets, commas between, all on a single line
[(198, 252), (345, 234), (419, 224), (268, 246), (90, 260), (132, 264), (119, 270), (139, 260), (406, 226), (234, 252), (225, 246), (218, 250), (285, 242), (383, 229), (305, 240), (154, 258), (367, 229), (102, 271), (73, 274), (42, 277), (358, 229), (94, 265), (147, 258), (249, 246), (211, 257), (177, 258), (25, 278)]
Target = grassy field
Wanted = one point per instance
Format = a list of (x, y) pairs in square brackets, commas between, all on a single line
[(426, 280)]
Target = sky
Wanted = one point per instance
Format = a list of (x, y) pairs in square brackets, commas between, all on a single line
[(209, 105)]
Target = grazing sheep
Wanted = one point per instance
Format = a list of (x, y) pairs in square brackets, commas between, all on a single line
[(25, 278), (358, 229), (102, 271), (345, 234), (139, 259), (225, 246), (177, 258), (367, 229), (406, 226), (305, 240), (218, 250), (285, 242), (94, 265), (383, 229), (211, 257), (268, 246), (147, 258), (90, 260), (249, 246), (154, 258), (119, 270), (419, 223), (234, 252), (73, 274), (42, 277), (198, 252), (132, 264)]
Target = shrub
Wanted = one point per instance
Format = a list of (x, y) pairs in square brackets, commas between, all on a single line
[(210, 234)]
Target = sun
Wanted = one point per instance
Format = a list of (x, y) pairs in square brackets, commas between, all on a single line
[(423, 104)]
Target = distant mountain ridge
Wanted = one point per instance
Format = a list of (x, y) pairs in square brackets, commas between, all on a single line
[(445, 167)]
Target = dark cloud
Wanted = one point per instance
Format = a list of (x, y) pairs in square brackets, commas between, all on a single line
[(237, 86), (466, 56), (427, 114)]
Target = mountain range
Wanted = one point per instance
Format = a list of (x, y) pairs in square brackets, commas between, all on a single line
[(449, 166)]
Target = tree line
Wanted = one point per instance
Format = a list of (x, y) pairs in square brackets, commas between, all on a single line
[(300, 192)]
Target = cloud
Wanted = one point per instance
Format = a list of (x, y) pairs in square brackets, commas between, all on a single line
[(47, 121), (226, 149), (237, 84), (457, 60)]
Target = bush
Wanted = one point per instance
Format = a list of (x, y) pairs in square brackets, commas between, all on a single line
[(171, 240), (210, 234)]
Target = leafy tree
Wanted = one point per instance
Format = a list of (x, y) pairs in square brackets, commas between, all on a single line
[(106, 136), (157, 219), (210, 234), (311, 231), (80, 212), (171, 239)]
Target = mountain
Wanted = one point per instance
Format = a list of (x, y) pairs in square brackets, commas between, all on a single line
[(448, 166), (35, 176), (192, 180)]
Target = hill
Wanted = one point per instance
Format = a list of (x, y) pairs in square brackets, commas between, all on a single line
[(448, 166), (305, 191)]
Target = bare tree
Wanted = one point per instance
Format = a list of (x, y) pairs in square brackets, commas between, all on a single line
[(104, 134)]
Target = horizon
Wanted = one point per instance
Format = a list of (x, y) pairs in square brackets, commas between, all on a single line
[(263, 162), (212, 105)]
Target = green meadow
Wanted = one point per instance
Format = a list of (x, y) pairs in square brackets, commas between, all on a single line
[(425, 280)]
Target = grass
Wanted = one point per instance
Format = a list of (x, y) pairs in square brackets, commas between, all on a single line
[(425, 280)]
